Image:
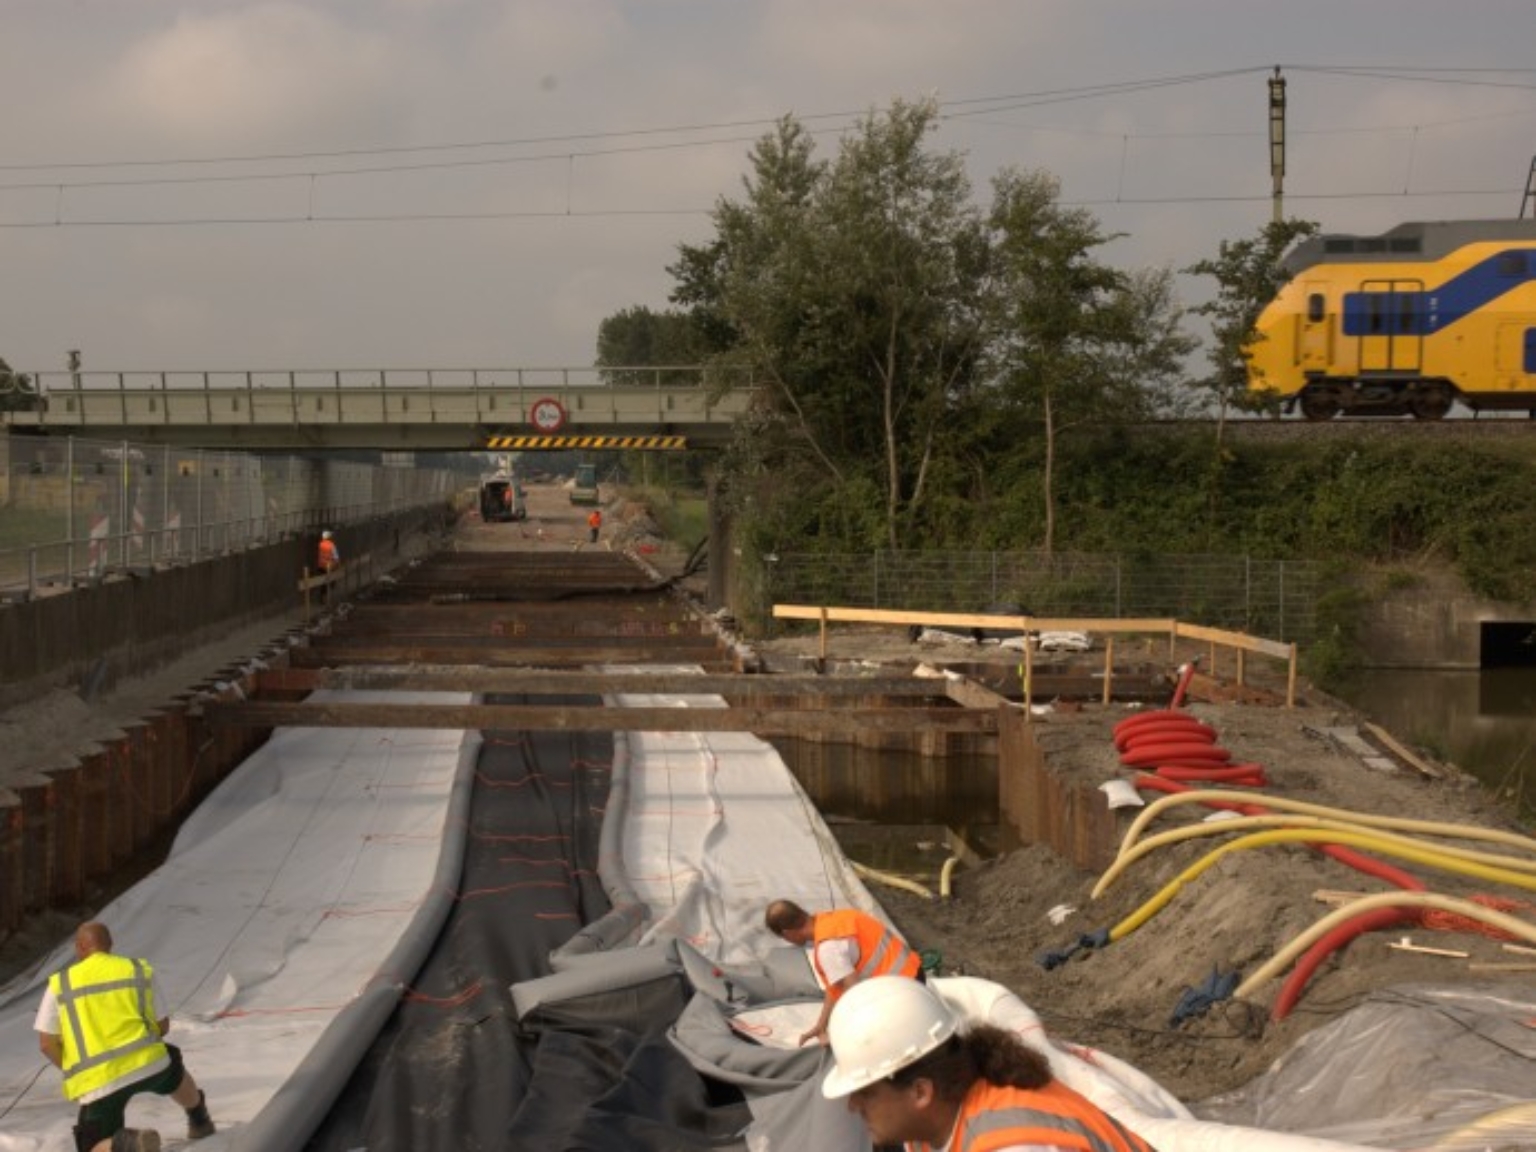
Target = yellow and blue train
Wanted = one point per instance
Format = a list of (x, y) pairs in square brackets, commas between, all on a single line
[(1406, 323)]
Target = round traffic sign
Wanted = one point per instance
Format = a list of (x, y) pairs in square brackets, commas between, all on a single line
[(547, 414)]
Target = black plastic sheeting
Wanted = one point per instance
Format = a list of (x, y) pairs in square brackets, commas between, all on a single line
[(453, 1069)]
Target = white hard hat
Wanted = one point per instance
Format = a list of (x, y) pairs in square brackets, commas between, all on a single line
[(879, 1027), (325, 535)]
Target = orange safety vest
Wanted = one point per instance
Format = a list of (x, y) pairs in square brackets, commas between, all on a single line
[(992, 1117), (595, 520), (328, 556), (881, 951)]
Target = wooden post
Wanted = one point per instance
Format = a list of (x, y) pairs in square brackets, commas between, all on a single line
[(1242, 663), (1109, 665), (1029, 682), (823, 635), (1290, 687)]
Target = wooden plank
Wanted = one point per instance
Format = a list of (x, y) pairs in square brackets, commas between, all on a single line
[(1233, 639), (525, 718), (969, 620), (1423, 767), (559, 682), (965, 691), (511, 656)]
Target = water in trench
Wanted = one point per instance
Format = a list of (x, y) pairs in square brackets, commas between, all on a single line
[(891, 809), (1484, 722)]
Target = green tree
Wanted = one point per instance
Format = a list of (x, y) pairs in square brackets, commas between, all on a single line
[(1248, 273), (639, 337), (853, 291), (18, 393), (1075, 341)]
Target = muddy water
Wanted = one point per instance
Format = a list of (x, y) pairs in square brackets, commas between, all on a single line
[(890, 809), (1483, 722)]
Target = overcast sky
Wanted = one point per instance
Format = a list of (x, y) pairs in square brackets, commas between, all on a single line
[(231, 184)]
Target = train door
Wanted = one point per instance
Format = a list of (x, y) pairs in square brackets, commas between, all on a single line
[(1514, 357), (1314, 341), (1388, 317)]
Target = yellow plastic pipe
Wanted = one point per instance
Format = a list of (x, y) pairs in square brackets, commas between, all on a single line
[(1495, 1128), (1311, 835), (1399, 823), (892, 881), (1243, 823), (1282, 959)]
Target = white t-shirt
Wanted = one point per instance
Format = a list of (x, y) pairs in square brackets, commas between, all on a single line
[(47, 1022), (837, 958)]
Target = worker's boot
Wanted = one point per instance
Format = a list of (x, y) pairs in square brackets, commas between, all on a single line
[(136, 1140), (199, 1123)]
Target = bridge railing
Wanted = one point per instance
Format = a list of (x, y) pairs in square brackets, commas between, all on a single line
[(667, 394)]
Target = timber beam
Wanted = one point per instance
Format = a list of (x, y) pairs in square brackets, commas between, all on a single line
[(563, 682), (510, 717)]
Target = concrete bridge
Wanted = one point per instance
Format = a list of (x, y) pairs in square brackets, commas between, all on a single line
[(399, 409)]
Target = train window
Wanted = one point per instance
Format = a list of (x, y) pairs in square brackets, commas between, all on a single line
[(1406, 312), (1375, 303), (1512, 264), (1370, 246), (1338, 245), (1315, 312), (1406, 244)]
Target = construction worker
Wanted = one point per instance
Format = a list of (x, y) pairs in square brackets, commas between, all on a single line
[(98, 1024), (327, 560), (329, 556), (847, 946), (915, 1079), (594, 522)]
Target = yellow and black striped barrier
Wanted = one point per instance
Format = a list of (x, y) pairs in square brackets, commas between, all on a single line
[(555, 443)]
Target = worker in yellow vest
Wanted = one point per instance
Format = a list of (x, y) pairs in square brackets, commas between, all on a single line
[(98, 1024), (847, 946)]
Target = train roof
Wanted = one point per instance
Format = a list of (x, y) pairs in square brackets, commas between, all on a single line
[(1413, 242)]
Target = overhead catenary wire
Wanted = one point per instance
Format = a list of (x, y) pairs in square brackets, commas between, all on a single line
[(327, 163)]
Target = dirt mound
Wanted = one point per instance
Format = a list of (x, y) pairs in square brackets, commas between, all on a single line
[(1226, 917)]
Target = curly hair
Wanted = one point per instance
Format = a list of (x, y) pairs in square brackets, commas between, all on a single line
[(981, 1052)]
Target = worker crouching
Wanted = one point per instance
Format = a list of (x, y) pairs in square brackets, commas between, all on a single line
[(915, 1079), (98, 1024)]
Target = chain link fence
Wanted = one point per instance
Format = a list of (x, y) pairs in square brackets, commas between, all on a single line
[(73, 508), (1275, 599)]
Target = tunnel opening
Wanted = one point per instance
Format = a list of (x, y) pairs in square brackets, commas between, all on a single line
[(1508, 644)]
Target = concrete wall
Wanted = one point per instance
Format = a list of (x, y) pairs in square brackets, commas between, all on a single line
[(1427, 619)]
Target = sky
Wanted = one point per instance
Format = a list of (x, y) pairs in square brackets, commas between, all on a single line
[(318, 184)]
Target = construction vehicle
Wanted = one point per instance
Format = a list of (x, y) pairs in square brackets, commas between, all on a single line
[(584, 487), (501, 498)]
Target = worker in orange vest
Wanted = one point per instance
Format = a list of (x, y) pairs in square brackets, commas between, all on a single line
[(330, 557), (328, 561), (847, 947), (918, 1078), (594, 522)]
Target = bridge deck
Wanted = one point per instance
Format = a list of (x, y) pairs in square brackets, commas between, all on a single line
[(395, 409)]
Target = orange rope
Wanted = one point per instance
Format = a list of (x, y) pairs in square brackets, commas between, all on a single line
[(1442, 921)]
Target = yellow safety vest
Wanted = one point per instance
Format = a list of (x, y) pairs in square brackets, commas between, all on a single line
[(106, 1020)]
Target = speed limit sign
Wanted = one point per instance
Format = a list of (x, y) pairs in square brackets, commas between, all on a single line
[(547, 414)]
